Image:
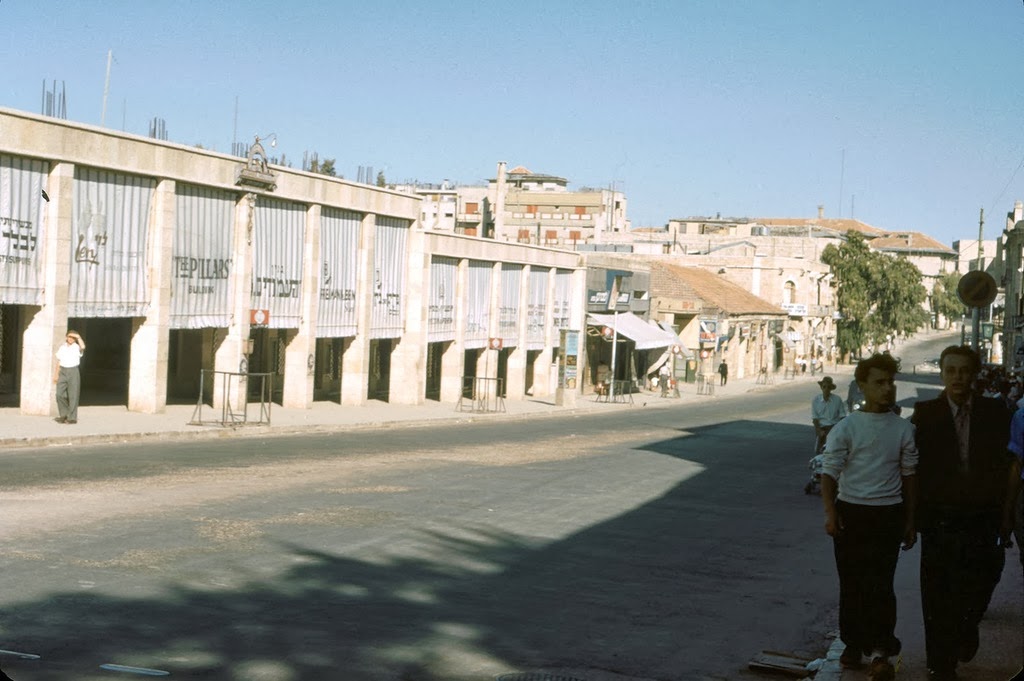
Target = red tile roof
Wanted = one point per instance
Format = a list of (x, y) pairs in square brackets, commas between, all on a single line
[(713, 290)]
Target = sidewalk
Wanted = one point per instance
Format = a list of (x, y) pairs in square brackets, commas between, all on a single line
[(111, 424)]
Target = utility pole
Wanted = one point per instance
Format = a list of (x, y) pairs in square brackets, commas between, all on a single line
[(976, 312), (106, 88)]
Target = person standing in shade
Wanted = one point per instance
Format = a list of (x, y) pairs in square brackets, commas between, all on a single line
[(826, 411), (968, 484), (868, 488), (723, 371), (67, 378)]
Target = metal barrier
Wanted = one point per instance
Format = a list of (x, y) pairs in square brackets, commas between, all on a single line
[(705, 384), (228, 415), (765, 377), (481, 395), (619, 392)]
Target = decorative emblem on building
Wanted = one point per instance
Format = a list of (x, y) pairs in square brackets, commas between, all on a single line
[(256, 172)]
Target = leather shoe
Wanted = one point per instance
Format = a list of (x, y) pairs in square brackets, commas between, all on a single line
[(851, 658), (61, 419), (968, 647), (70, 421), (881, 670)]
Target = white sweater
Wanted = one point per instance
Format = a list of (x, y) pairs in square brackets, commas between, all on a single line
[(868, 454)]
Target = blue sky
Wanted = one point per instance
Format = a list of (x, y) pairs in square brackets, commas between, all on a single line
[(744, 108)]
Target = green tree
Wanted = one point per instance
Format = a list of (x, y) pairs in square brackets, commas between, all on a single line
[(877, 295), (899, 299), (851, 265), (381, 182), (945, 302), (327, 167)]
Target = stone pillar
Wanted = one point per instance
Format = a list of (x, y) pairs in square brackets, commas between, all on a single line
[(487, 363), (45, 331), (455, 353), (300, 354), (517, 358), (147, 377), (545, 372), (232, 350), (408, 360), (355, 363)]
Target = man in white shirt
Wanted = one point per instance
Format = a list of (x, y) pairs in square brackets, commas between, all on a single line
[(826, 411), (67, 378), (869, 490)]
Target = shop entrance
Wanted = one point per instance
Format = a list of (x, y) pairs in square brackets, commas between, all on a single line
[(185, 362), (469, 364), (328, 377), (531, 364), (503, 371), (435, 354), (10, 355), (379, 382), (107, 360), (268, 346)]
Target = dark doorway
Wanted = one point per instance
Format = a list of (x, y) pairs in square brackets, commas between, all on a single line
[(469, 364), (328, 376), (503, 371), (435, 354), (379, 382), (531, 364), (10, 355), (107, 360), (184, 365), (268, 346)]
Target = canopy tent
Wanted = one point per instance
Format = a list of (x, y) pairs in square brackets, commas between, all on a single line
[(646, 335)]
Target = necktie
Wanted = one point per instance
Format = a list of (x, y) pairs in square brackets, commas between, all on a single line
[(962, 421)]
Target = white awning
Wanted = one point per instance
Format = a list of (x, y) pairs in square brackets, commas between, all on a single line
[(647, 336)]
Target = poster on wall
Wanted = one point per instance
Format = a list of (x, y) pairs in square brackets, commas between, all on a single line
[(109, 233)]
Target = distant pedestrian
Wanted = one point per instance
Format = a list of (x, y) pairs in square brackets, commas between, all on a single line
[(868, 489), (723, 371), (67, 377), (968, 483)]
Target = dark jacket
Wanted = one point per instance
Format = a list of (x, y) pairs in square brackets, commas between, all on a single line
[(941, 484)]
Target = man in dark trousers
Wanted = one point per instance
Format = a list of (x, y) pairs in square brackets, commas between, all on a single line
[(723, 371), (967, 480), (868, 490)]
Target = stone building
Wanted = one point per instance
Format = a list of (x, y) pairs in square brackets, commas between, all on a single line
[(193, 274), (525, 207)]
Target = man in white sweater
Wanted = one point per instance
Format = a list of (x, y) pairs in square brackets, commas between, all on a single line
[(870, 493)]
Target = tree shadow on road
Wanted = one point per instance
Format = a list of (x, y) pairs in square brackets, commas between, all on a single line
[(686, 585)]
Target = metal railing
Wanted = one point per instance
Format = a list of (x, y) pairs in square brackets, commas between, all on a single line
[(481, 395), (706, 384), (229, 416), (618, 392)]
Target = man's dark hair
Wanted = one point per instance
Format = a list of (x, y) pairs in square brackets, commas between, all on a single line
[(962, 351), (886, 363)]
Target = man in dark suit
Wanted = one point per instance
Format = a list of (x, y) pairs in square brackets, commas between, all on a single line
[(966, 479)]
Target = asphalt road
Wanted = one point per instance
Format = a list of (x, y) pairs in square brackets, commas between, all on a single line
[(652, 544)]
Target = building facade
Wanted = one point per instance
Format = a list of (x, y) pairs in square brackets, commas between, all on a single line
[(194, 275)]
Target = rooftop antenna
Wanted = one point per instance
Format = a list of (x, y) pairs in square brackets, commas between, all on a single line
[(234, 131), (106, 88)]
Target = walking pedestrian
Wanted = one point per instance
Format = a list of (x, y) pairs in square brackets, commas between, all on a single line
[(968, 483), (67, 377), (723, 371), (868, 488)]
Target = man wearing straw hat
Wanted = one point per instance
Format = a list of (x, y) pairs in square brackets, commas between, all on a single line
[(826, 411)]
